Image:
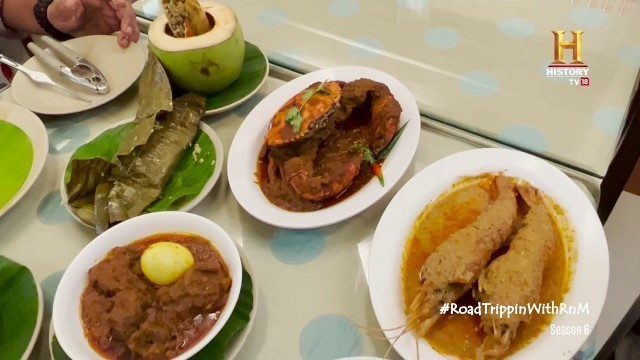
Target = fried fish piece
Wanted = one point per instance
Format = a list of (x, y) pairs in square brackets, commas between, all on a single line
[(453, 268), (515, 278)]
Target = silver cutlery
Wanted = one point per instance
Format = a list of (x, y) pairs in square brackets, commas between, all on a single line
[(71, 65), (41, 78)]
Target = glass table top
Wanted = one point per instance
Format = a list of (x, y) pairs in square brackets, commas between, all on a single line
[(313, 293), (478, 65)]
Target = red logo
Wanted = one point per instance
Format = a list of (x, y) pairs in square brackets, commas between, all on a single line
[(584, 81)]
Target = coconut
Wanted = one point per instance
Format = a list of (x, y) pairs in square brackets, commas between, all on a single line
[(206, 63)]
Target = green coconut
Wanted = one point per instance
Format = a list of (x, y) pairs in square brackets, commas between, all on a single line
[(207, 63)]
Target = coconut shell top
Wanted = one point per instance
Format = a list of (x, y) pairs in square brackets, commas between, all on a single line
[(207, 63), (314, 111)]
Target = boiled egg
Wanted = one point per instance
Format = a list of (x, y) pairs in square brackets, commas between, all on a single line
[(165, 262)]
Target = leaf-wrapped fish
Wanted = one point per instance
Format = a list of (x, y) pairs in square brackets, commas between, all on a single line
[(145, 171), (123, 171)]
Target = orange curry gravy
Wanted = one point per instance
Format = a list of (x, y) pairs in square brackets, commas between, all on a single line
[(460, 335)]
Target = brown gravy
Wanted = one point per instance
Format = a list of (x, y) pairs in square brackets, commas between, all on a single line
[(125, 316)]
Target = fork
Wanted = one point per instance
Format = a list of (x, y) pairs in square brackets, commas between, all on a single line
[(41, 78)]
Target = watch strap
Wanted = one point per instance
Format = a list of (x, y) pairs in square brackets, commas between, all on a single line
[(40, 13)]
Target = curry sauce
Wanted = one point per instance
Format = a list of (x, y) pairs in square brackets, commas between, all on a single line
[(456, 334)]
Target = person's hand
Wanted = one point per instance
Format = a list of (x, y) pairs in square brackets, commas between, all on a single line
[(91, 17)]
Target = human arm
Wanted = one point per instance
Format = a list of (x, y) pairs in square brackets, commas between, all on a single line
[(75, 17)]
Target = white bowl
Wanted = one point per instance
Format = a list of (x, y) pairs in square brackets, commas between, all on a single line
[(591, 272), (66, 317)]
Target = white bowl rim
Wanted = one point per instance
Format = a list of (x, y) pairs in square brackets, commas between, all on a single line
[(35, 130), (217, 144), (394, 227), (68, 293), (246, 144)]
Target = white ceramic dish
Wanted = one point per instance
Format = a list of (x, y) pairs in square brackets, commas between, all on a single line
[(186, 206), (121, 67), (37, 134), (66, 305), (238, 339), (243, 154), (590, 280)]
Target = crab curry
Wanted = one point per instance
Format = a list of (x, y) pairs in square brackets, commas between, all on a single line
[(327, 142)]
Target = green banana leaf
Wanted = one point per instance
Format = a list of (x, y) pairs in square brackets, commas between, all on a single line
[(56, 350), (185, 184), (18, 309), (238, 320), (191, 174), (216, 349), (254, 69), (154, 97)]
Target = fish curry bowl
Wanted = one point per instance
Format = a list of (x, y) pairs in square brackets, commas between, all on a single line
[(489, 254), (161, 285)]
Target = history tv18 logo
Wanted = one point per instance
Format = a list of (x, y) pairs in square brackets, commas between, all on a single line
[(575, 71)]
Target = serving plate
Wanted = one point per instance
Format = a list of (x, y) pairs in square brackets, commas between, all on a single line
[(591, 272), (217, 143), (243, 154), (238, 339), (23, 318), (34, 129), (120, 66), (66, 317)]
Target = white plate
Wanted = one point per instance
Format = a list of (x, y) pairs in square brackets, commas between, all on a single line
[(37, 134), (243, 154), (590, 280), (120, 66), (238, 339), (187, 206)]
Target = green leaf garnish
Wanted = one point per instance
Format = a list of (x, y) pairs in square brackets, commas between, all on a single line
[(366, 152), (307, 94), (294, 115), (294, 119), (387, 149)]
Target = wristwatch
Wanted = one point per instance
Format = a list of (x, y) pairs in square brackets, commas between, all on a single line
[(40, 12)]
